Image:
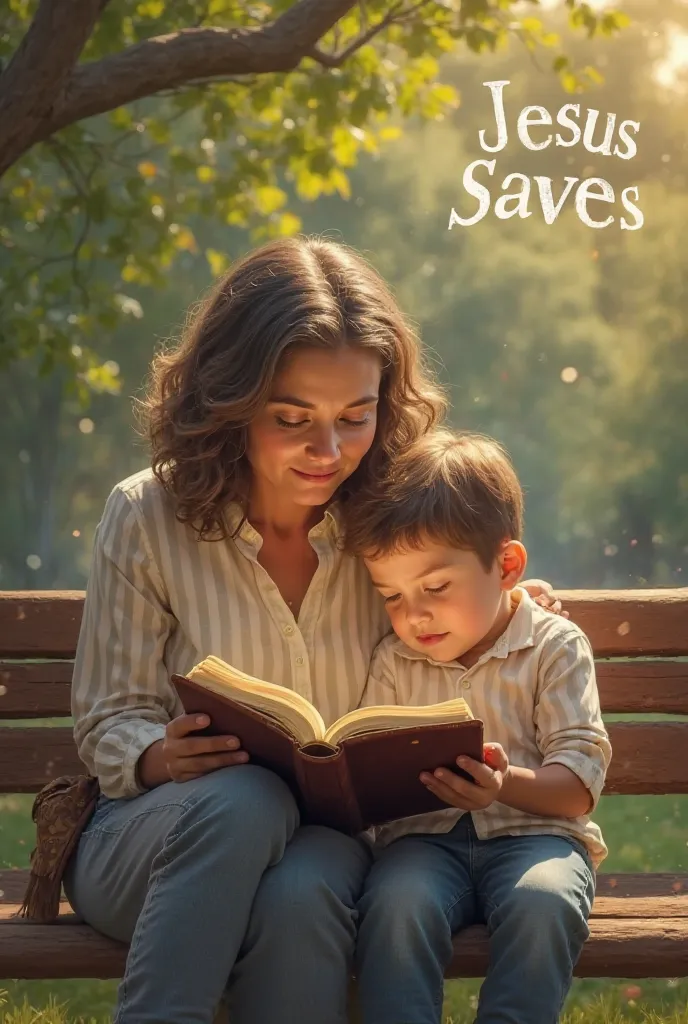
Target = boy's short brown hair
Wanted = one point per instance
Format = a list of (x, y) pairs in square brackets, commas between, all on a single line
[(458, 489)]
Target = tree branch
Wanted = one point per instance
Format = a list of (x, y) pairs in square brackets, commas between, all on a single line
[(335, 60), (44, 89), (394, 16), (167, 62), (37, 75)]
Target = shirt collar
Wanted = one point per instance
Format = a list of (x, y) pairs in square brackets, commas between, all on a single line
[(329, 527), (518, 635)]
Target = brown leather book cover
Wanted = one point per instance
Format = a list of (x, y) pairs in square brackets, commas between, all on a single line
[(365, 781)]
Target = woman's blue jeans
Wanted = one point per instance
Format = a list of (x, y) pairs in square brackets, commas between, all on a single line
[(219, 890), (533, 892)]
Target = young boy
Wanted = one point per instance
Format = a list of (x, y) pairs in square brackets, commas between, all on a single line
[(441, 537)]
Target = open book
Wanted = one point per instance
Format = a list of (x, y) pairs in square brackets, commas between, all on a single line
[(363, 770)]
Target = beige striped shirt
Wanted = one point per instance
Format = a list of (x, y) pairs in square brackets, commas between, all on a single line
[(158, 601), (536, 693)]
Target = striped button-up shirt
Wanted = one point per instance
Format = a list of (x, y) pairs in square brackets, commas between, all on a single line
[(536, 693), (158, 601)]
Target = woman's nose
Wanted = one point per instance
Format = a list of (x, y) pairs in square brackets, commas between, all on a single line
[(324, 444)]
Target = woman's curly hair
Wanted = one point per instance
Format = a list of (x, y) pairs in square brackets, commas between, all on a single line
[(203, 393)]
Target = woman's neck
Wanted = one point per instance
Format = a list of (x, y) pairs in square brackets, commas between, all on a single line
[(268, 514)]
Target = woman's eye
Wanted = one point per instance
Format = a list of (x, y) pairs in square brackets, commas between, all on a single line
[(392, 598), (357, 423), (288, 423), (436, 590)]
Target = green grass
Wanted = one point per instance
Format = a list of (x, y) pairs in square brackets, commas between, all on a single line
[(643, 833), (599, 1011)]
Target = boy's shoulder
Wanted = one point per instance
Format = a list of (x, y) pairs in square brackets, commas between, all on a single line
[(549, 632)]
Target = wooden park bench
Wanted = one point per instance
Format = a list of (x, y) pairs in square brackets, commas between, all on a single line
[(639, 925)]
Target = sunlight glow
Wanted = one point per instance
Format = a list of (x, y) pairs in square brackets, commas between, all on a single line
[(668, 70)]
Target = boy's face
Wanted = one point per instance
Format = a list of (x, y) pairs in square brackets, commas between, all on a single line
[(441, 600)]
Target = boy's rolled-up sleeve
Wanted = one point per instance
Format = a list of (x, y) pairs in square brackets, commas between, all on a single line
[(568, 719)]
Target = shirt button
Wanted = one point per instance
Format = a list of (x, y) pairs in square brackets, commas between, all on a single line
[(288, 630), (465, 685), (299, 660)]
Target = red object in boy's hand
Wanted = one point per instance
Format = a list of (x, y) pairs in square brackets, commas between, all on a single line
[(495, 757)]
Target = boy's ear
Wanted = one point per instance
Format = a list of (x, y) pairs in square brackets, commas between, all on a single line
[(513, 559)]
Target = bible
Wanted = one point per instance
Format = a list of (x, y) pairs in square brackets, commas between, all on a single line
[(363, 770)]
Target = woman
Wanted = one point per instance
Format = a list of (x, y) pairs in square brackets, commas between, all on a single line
[(294, 381)]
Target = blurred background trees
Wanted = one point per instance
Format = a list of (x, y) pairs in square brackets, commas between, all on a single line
[(569, 345)]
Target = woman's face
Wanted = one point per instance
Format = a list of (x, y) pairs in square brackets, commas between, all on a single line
[(317, 424)]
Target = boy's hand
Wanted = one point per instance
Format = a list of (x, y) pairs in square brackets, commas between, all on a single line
[(476, 795), (495, 756)]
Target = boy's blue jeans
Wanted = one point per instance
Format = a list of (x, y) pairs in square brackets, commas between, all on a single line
[(533, 892), (218, 888)]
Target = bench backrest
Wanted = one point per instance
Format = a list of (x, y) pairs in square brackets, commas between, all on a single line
[(639, 638)]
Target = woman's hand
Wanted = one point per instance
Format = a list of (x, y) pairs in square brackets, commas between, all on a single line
[(189, 757), (471, 796), (181, 756), (543, 594)]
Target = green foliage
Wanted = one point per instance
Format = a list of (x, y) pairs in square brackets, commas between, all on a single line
[(509, 306), (106, 207), (505, 305)]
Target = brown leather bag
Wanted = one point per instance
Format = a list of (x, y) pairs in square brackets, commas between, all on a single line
[(61, 812)]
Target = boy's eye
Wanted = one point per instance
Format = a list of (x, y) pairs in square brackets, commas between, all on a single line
[(437, 590)]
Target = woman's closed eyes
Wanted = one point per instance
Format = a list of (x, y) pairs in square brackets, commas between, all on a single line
[(301, 423)]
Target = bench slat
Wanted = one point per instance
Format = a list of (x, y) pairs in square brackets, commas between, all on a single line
[(642, 687), (63, 950), (30, 758), (40, 623), (631, 623), (619, 622), (605, 906), (640, 948), (639, 928), (652, 947), (35, 691), (649, 757), (618, 895), (43, 690)]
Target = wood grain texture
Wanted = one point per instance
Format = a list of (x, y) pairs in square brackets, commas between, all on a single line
[(618, 895), (642, 687), (634, 948), (651, 947), (618, 622), (63, 950), (30, 758), (648, 757), (35, 690), (631, 622), (661, 687), (639, 928), (40, 624)]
